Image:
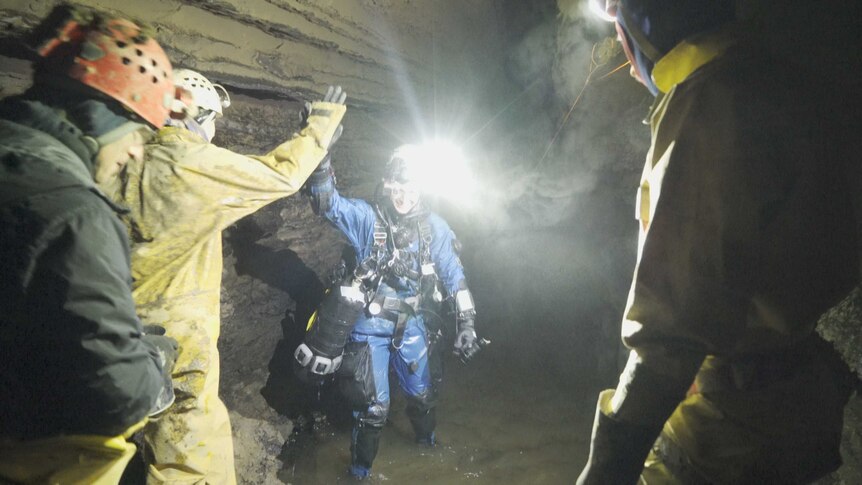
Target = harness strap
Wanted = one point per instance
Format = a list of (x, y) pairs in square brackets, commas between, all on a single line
[(396, 309), (400, 326), (425, 237), (404, 310)]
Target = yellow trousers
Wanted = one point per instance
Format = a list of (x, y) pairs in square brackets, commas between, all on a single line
[(788, 431), (67, 460), (191, 442)]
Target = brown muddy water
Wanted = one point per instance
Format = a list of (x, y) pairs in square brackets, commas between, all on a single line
[(498, 423)]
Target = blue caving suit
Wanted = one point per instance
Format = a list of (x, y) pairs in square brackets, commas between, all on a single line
[(356, 219)]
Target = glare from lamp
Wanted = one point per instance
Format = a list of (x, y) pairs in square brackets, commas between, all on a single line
[(599, 9), (441, 169)]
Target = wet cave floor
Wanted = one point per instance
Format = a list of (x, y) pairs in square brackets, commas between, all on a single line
[(498, 422)]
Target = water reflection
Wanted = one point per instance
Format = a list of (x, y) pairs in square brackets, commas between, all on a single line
[(532, 428)]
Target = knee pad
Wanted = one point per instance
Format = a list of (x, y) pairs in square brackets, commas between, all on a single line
[(374, 416), (421, 403)]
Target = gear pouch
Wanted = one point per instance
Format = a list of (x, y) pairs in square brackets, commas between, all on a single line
[(356, 375)]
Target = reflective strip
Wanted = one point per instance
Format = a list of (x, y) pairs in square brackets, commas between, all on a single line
[(464, 301), (322, 365), (353, 293), (303, 354)]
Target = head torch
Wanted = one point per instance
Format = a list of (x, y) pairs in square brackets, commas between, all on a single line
[(605, 9)]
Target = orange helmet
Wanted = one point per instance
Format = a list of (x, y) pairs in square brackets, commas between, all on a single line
[(115, 57)]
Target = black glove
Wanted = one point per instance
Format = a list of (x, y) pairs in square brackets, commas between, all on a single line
[(168, 350), (617, 451), (167, 347), (467, 345), (466, 336), (323, 171)]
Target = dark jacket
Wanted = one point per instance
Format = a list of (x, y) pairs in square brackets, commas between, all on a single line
[(71, 353), (747, 236)]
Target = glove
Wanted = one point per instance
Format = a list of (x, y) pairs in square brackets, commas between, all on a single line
[(618, 449), (466, 337), (322, 119), (168, 350), (333, 95), (323, 171), (467, 345)]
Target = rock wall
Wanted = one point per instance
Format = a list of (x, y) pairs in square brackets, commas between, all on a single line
[(558, 141), (293, 47), (391, 56), (842, 325)]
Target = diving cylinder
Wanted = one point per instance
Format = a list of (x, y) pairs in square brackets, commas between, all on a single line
[(320, 353)]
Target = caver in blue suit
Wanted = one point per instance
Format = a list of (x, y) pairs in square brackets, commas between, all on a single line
[(404, 254)]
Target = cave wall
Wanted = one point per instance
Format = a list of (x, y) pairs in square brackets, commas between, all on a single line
[(292, 47), (272, 56), (558, 143)]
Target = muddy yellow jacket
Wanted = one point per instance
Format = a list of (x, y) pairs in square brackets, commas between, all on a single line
[(184, 193), (180, 198)]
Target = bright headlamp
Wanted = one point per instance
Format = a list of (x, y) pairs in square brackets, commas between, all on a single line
[(435, 168), (605, 9)]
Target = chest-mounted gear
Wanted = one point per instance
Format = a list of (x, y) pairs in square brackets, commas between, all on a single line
[(392, 241), (403, 236)]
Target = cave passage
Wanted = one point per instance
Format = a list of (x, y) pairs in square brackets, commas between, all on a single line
[(497, 423), (538, 96), (520, 412)]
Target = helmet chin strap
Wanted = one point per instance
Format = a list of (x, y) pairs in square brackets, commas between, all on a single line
[(192, 125)]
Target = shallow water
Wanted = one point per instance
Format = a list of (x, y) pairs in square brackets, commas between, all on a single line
[(497, 423)]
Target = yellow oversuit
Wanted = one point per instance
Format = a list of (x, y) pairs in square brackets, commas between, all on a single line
[(184, 193)]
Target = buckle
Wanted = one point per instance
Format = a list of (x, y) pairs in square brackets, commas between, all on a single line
[(322, 365), (303, 354), (412, 302), (391, 304)]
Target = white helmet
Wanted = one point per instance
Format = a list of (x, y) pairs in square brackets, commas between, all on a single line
[(204, 93)]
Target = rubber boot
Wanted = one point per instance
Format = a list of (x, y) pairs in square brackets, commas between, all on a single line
[(363, 449), (424, 421), (435, 362)]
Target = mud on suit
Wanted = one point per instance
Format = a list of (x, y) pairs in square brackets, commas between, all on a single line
[(746, 238), (356, 219), (75, 377), (184, 193)]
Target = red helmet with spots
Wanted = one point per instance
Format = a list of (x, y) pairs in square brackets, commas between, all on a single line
[(114, 56)]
